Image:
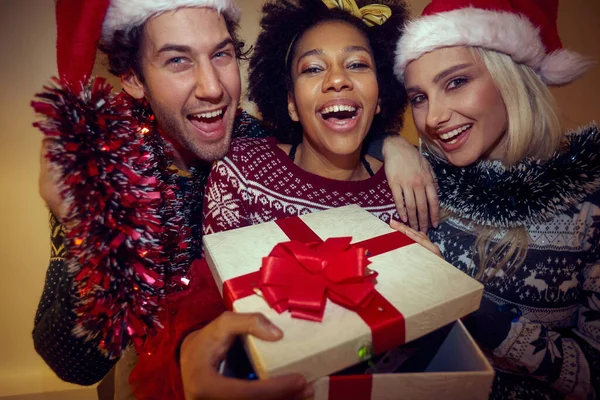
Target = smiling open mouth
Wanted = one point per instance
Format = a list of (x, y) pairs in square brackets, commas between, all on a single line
[(207, 117), (209, 125), (341, 112), (453, 136)]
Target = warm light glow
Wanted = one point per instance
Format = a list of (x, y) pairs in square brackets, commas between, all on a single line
[(145, 130)]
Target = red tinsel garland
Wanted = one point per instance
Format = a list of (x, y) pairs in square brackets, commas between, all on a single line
[(114, 243)]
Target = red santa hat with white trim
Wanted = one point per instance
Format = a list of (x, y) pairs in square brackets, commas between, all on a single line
[(82, 23), (526, 30)]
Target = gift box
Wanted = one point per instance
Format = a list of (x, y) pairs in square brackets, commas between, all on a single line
[(340, 313)]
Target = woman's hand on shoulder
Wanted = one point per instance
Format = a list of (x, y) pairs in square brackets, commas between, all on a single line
[(412, 182)]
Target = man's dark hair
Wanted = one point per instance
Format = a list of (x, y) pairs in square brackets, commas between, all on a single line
[(283, 23), (124, 50)]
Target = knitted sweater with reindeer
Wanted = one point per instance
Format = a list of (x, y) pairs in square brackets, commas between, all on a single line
[(540, 326)]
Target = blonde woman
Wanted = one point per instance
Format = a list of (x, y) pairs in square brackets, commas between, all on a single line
[(520, 197)]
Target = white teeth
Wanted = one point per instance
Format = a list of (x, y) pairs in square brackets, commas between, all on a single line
[(337, 108), (209, 114), (455, 132)]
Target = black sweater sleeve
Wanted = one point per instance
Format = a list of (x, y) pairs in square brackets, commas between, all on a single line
[(72, 358)]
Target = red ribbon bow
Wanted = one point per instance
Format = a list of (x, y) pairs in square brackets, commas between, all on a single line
[(281, 290), (301, 276)]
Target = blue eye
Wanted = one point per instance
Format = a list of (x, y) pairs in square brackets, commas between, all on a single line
[(417, 100), (175, 60), (457, 82), (221, 54)]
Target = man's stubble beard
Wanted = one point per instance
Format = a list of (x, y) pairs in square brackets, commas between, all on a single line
[(207, 152)]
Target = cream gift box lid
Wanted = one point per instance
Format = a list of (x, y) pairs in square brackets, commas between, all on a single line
[(428, 291)]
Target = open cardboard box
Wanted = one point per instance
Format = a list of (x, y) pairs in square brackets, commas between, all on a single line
[(445, 364)]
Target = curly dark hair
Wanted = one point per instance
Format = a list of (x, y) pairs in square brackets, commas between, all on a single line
[(124, 50), (283, 22)]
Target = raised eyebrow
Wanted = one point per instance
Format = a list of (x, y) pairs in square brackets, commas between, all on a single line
[(350, 49), (313, 52), (450, 71), (413, 89), (180, 48), (224, 43), (316, 52), (174, 47)]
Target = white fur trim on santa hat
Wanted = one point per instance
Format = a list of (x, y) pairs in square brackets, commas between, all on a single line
[(562, 67), (126, 14), (505, 32)]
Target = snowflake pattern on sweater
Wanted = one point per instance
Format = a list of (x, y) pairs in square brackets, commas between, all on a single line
[(257, 182)]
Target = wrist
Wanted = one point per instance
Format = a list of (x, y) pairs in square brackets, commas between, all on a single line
[(69, 224), (191, 389), (185, 342), (393, 141)]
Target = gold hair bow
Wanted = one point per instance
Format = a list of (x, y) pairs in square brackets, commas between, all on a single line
[(372, 14)]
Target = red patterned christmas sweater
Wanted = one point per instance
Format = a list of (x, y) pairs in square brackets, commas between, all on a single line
[(258, 182)]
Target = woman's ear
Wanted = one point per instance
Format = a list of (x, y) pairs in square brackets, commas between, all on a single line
[(133, 85), (292, 111)]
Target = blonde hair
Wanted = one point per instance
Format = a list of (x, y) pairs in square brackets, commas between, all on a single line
[(533, 124), (533, 131)]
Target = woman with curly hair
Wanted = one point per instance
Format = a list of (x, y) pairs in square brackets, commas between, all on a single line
[(322, 77), (521, 198)]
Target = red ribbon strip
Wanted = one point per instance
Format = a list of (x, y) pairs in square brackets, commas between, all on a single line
[(299, 275), (296, 229), (355, 387)]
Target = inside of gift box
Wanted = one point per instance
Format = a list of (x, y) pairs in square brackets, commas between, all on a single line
[(447, 349), (236, 363)]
